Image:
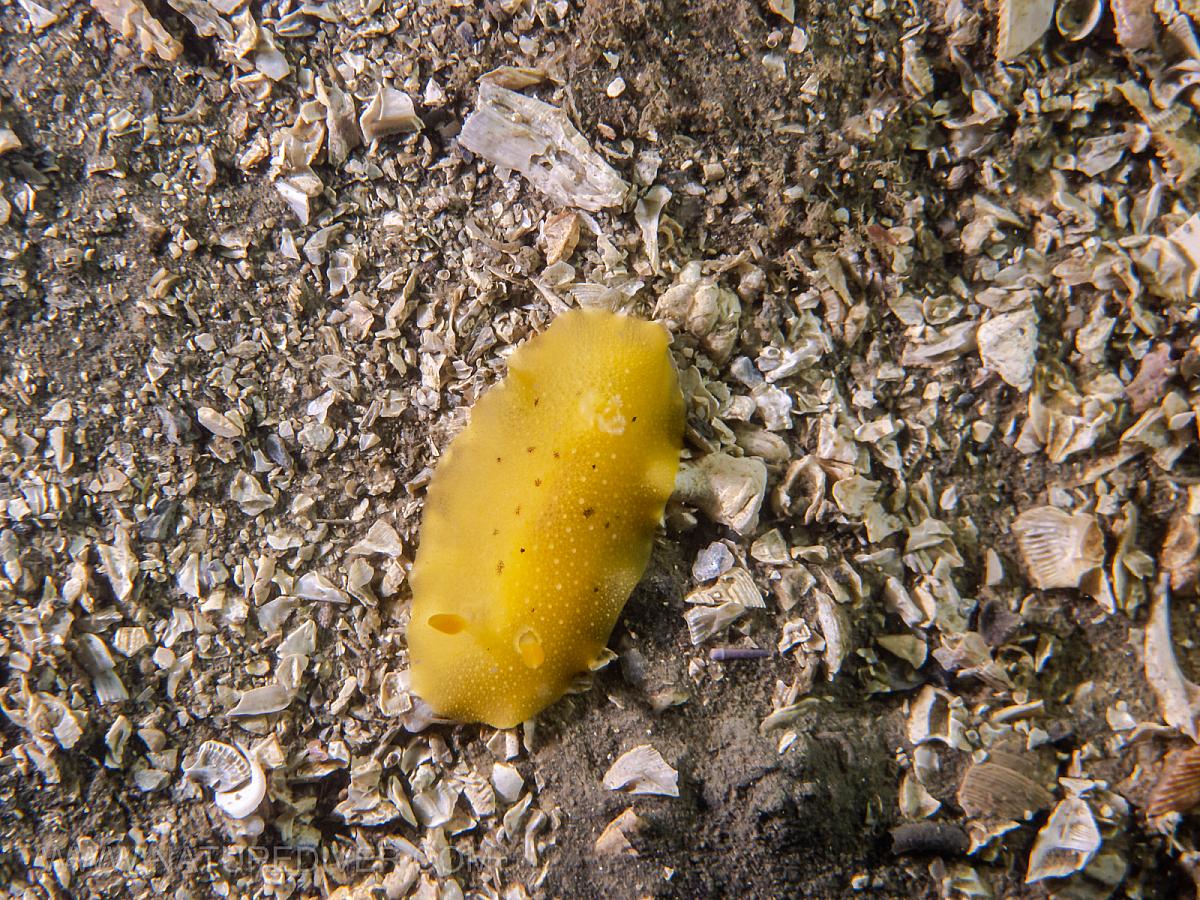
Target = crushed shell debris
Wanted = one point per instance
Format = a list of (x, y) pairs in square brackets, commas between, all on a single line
[(938, 344)]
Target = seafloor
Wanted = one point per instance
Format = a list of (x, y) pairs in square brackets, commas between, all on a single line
[(930, 271)]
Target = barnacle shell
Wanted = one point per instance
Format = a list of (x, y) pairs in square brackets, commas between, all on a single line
[(1066, 843), (1076, 19), (802, 490), (394, 698), (235, 775), (241, 802), (699, 305), (218, 766), (1022, 23), (1059, 548), (1178, 786)]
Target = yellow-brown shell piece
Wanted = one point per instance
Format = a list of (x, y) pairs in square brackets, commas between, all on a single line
[(540, 517), (1178, 786)]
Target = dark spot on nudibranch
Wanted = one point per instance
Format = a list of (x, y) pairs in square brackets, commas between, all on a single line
[(556, 454), (500, 567), (537, 482), (495, 532), (588, 513), (537, 400), (497, 459), (530, 449), (518, 510), (522, 549), (606, 524), (634, 418)]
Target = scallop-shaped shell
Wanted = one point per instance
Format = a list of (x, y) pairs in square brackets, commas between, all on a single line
[(1059, 548), (218, 766), (996, 789), (1136, 24), (1180, 78), (736, 586), (1178, 787)]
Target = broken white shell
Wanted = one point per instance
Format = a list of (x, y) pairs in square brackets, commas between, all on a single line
[(94, 657), (131, 18), (647, 213), (1178, 698), (1066, 843), (1008, 345), (119, 563), (936, 716), (538, 140), (219, 424), (507, 781), (389, 112), (1059, 548), (915, 801), (835, 626), (614, 840), (705, 621), (261, 701), (727, 489), (248, 494), (642, 770), (1022, 23)]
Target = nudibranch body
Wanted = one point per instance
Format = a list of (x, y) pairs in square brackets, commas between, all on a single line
[(540, 518)]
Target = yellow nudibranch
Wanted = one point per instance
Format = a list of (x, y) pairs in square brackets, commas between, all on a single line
[(540, 517)]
